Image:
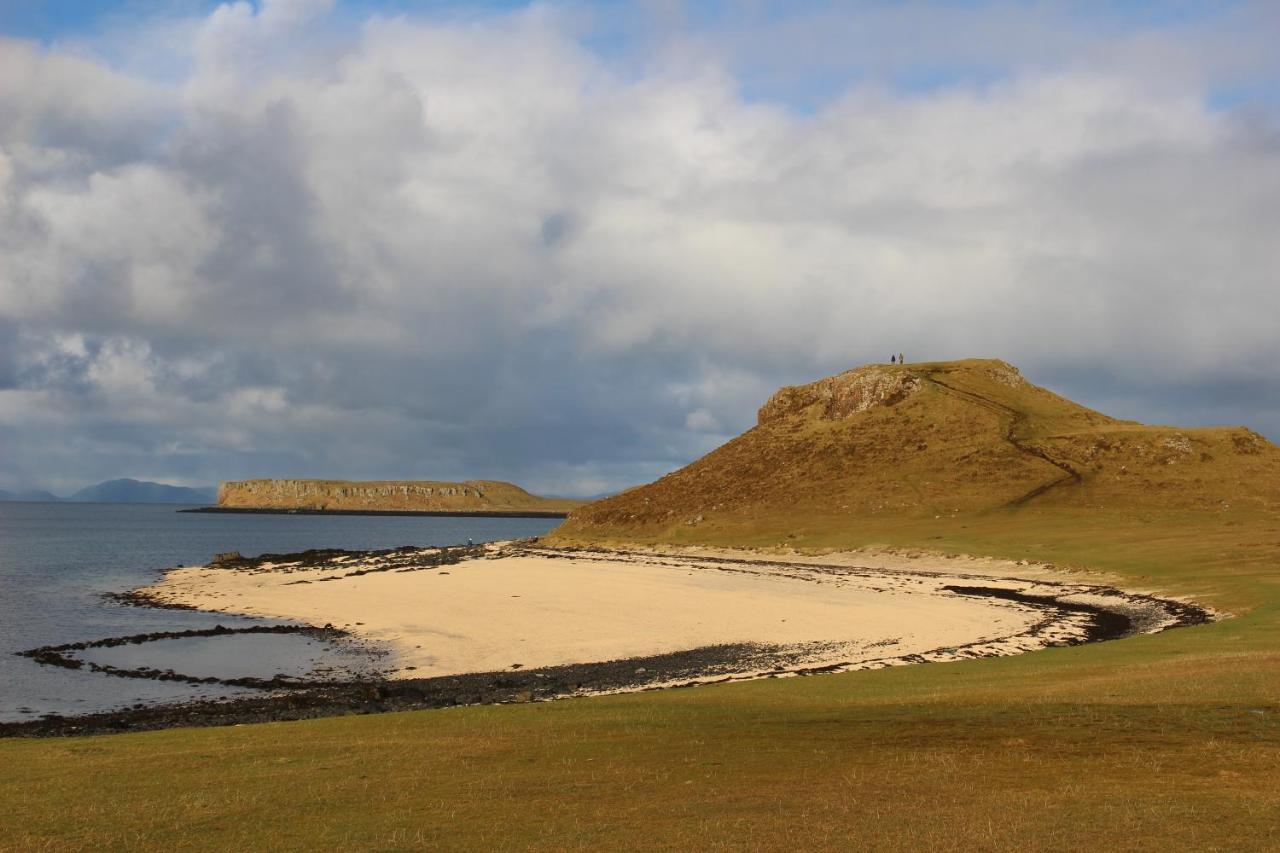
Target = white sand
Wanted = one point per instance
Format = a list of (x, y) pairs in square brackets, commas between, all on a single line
[(534, 609)]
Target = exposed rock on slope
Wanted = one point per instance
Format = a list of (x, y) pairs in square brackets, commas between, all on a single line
[(931, 439), (416, 495), (840, 396)]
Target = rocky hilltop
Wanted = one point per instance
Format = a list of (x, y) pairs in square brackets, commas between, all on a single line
[(931, 440), (386, 495)]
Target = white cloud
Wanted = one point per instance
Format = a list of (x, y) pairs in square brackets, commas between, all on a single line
[(476, 248), (61, 112)]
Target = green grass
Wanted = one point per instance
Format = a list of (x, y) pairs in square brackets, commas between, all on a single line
[(1159, 742)]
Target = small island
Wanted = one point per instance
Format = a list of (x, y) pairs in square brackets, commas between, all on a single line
[(492, 498)]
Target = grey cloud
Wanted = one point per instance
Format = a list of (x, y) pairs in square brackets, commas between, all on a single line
[(269, 262)]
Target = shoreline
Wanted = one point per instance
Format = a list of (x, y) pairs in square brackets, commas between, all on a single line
[(436, 513), (1046, 612)]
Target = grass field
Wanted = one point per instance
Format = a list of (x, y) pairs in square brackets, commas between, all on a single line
[(1161, 742)]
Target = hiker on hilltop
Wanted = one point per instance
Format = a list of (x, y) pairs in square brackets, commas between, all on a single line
[(891, 359), (902, 359)]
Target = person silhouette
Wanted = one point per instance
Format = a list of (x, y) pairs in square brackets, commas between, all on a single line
[(891, 359), (902, 359)]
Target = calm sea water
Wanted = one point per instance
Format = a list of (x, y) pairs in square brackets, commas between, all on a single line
[(56, 560)]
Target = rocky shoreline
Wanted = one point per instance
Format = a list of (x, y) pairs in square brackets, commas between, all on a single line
[(298, 701), (61, 656), (1095, 614)]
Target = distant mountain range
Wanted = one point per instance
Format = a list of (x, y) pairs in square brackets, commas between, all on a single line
[(123, 491), (28, 495)]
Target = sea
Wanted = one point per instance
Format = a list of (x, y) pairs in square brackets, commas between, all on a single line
[(57, 560)]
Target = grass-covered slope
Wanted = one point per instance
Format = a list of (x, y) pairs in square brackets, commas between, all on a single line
[(925, 441)]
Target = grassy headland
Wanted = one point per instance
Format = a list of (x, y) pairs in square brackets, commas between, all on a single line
[(1155, 742)]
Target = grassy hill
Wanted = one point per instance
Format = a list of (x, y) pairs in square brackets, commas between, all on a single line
[(1158, 742), (830, 459)]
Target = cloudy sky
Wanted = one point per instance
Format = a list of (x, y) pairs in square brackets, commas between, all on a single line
[(576, 245)]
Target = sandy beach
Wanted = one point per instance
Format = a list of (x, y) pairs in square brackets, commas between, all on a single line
[(512, 607)]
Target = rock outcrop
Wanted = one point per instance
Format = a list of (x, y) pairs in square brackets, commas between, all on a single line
[(840, 396)]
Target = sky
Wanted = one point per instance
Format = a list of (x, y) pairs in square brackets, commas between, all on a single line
[(576, 245)]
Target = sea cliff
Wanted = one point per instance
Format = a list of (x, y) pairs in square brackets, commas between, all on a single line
[(386, 495)]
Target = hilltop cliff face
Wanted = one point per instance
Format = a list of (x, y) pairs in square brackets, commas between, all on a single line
[(842, 396), (929, 440), (418, 495)]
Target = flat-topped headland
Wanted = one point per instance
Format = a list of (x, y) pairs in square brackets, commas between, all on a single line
[(387, 497)]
